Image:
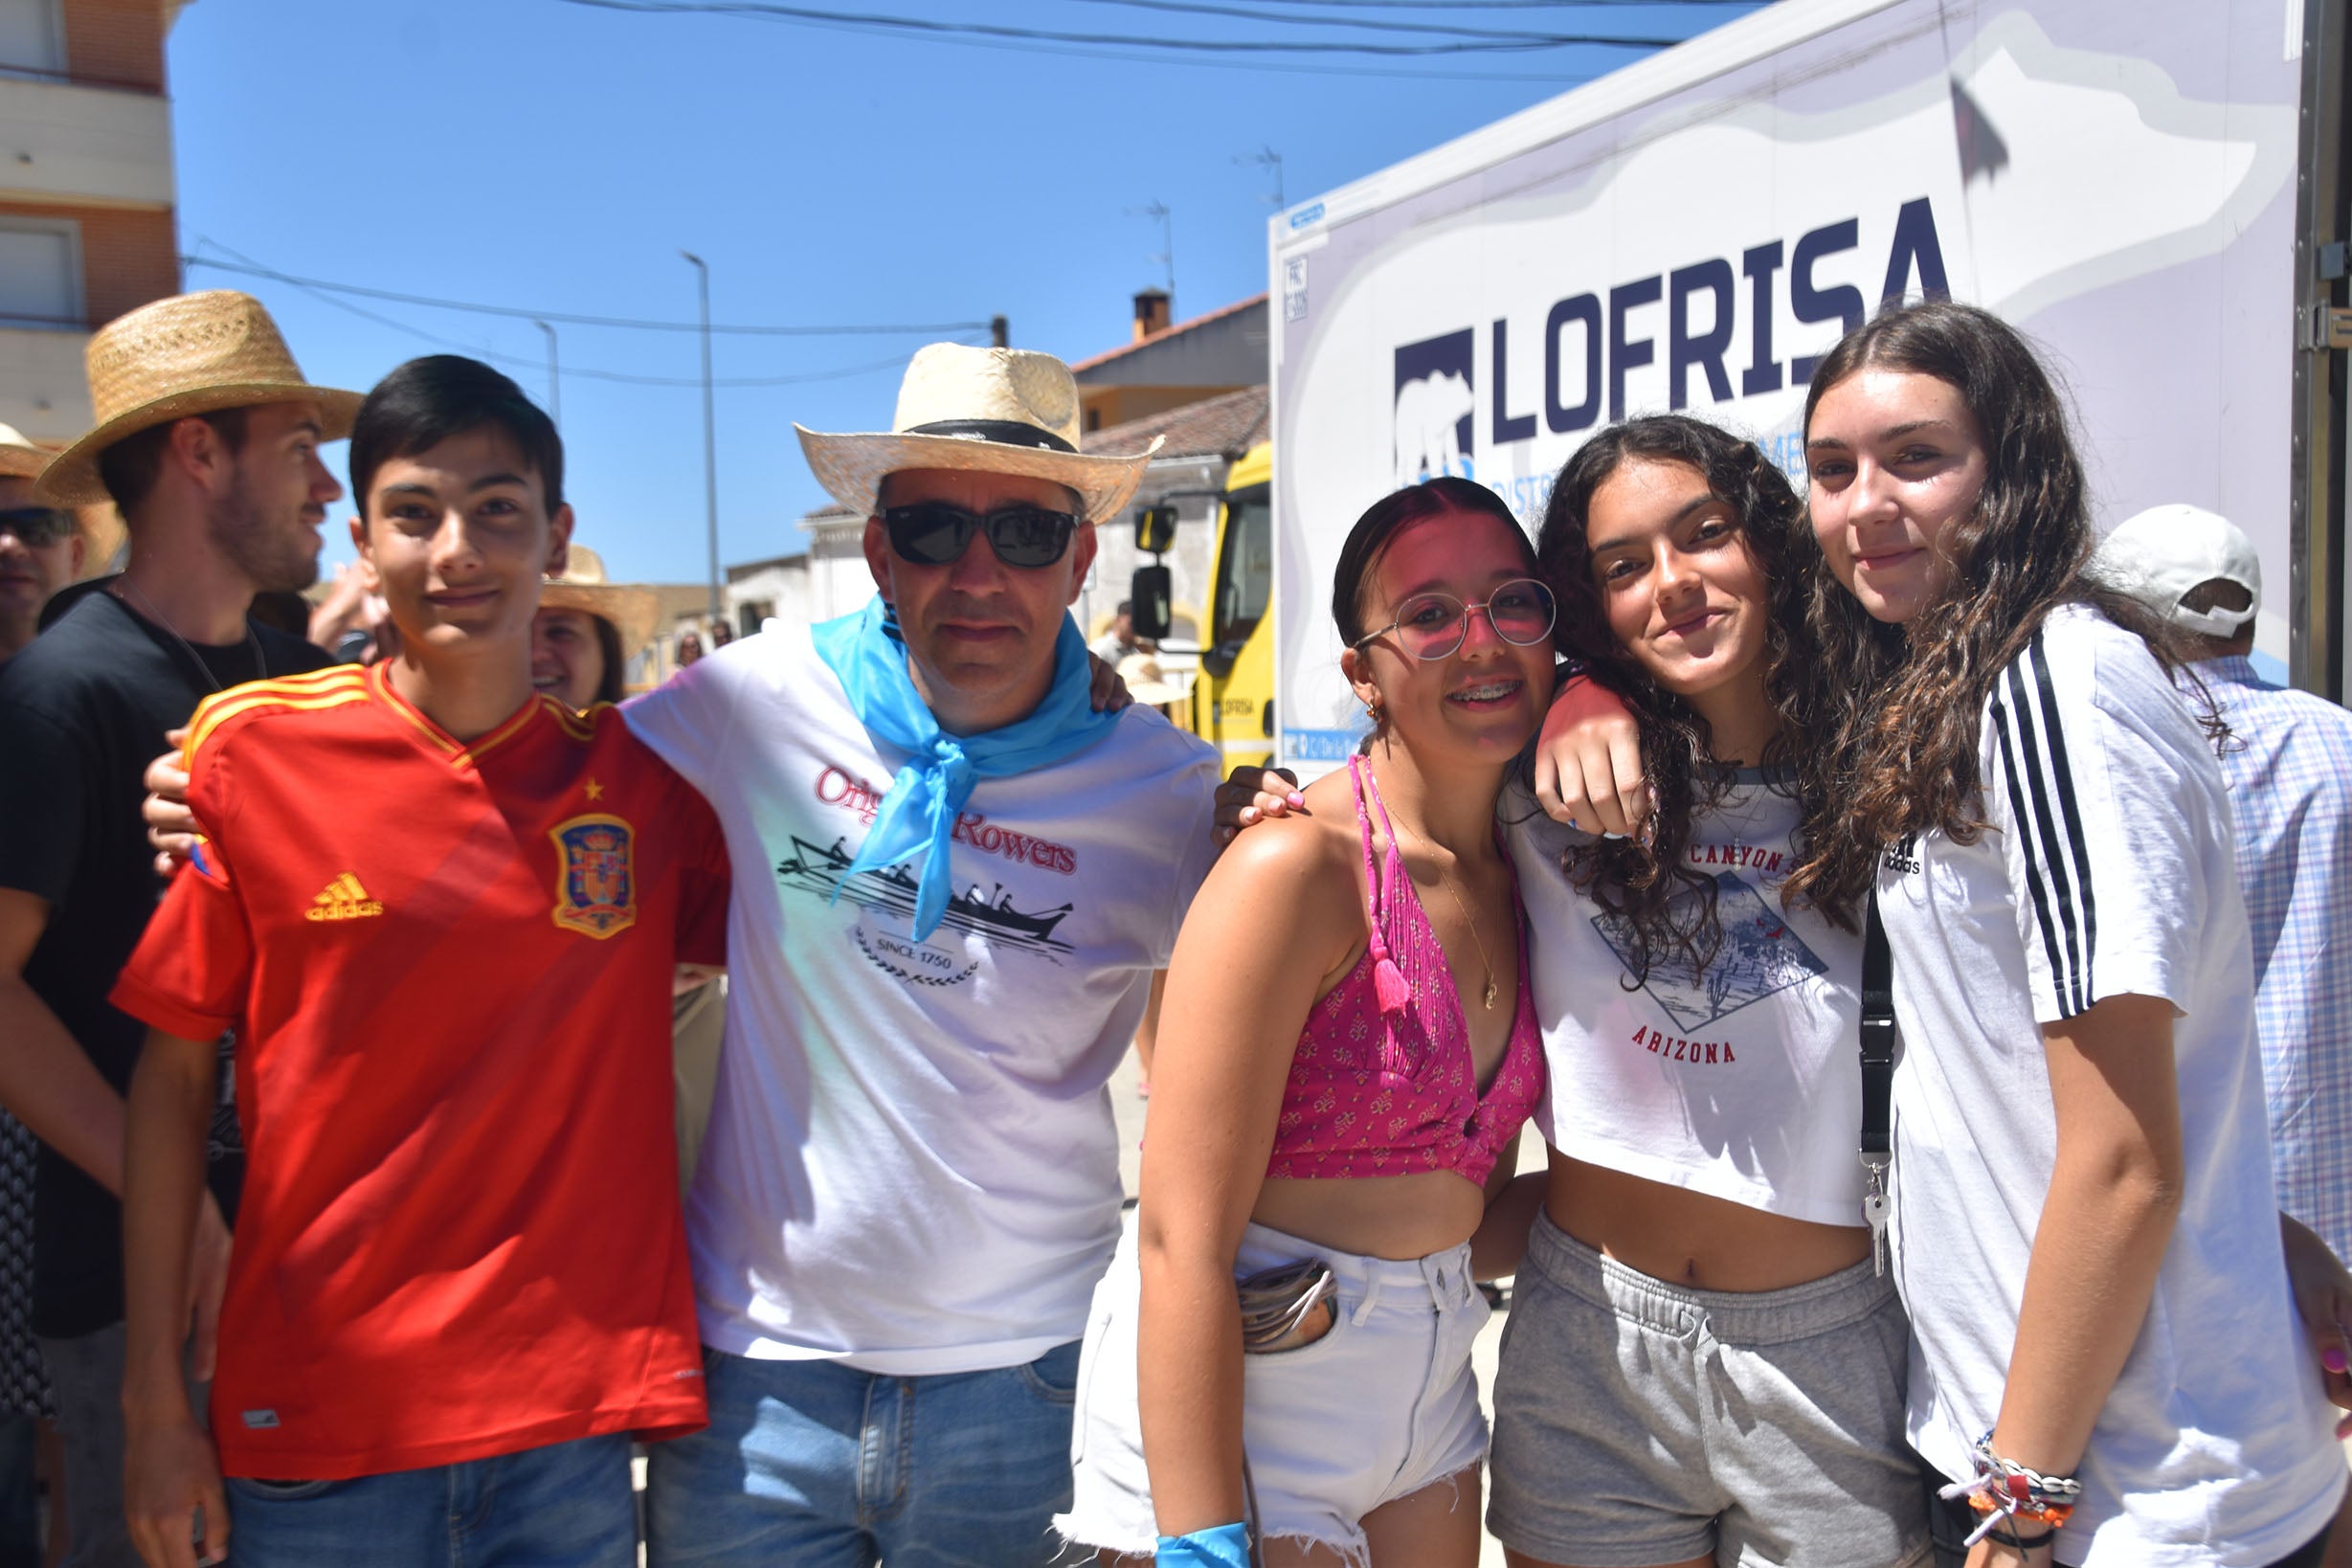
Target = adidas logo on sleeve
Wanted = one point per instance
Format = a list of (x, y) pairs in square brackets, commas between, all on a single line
[(343, 899)]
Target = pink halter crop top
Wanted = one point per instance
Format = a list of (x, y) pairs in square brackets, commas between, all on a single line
[(1382, 1081)]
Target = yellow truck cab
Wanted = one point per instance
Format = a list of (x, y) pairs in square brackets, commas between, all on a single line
[(1233, 700)]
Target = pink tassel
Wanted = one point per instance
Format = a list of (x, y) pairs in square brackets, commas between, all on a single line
[(1388, 984)]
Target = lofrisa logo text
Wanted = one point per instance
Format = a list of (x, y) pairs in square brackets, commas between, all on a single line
[(836, 787)]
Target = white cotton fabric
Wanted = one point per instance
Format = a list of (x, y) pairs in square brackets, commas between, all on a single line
[(1739, 1080), (2107, 870), (912, 1166), (1380, 1407)]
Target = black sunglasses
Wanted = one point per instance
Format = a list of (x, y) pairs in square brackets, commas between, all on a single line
[(37, 525), (934, 534)]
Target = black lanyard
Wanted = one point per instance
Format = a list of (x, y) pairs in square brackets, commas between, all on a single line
[(1877, 1074)]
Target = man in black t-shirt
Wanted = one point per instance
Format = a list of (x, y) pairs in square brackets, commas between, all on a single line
[(207, 438)]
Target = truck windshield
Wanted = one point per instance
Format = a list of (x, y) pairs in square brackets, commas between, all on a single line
[(1245, 567)]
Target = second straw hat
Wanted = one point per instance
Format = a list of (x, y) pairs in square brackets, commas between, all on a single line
[(632, 609), (192, 354), (992, 411), (19, 457)]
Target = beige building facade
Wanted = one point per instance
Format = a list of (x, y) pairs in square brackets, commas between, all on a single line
[(86, 192)]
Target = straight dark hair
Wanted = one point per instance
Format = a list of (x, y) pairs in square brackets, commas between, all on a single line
[(426, 401), (1386, 518), (1643, 880), (1898, 754)]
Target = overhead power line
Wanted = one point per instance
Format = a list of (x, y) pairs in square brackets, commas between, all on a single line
[(1318, 14), (321, 292), (1200, 8), (527, 313), (769, 10), (1486, 5)]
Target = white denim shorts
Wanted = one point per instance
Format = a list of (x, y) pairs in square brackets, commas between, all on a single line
[(1380, 1407)]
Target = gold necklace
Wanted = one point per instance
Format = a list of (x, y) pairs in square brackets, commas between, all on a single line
[(1446, 882)]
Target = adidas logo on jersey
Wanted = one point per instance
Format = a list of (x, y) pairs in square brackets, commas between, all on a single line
[(343, 899)]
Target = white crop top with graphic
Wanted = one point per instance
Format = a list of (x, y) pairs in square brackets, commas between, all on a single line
[(1738, 1080)]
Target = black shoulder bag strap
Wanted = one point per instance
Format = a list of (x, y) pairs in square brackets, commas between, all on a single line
[(1877, 1074)]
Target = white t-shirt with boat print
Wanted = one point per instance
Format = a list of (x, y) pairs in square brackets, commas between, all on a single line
[(912, 1165)]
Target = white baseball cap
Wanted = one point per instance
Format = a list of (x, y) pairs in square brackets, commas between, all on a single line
[(2162, 553)]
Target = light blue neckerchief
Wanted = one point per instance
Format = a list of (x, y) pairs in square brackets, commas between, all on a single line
[(920, 809)]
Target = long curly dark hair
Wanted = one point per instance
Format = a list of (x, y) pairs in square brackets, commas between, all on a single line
[(1641, 879), (1898, 755)]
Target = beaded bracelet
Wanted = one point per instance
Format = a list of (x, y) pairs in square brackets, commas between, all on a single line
[(2006, 1491)]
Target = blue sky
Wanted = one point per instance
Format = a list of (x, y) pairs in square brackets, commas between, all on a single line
[(551, 156)]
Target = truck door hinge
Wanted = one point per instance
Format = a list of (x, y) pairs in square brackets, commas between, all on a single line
[(2328, 326)]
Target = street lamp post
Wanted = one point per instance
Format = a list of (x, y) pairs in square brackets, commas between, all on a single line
[(711, 438), (555, 383)]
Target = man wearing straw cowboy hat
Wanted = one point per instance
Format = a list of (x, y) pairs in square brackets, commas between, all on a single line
[(953, 882), (206, 439), (40, 546)]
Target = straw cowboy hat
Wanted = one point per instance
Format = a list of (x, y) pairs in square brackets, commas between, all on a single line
[(993, 411), (1150, 685), (192, 354), (19, 457), (632, 610)]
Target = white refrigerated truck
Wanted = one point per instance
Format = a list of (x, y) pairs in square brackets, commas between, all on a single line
[(2152, 189)]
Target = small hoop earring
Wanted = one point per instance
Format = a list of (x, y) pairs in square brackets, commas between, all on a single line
[(1372, 709)]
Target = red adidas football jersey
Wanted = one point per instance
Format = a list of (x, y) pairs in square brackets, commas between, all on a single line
[(450, 965)]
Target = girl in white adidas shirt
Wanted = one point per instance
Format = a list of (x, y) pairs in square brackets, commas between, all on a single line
[(2084, 1227), (2078, 962)]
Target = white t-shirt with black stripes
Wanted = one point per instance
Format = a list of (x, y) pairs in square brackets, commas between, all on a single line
[(2108, 869)]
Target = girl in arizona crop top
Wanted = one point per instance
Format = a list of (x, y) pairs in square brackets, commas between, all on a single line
[(1382, 1081)]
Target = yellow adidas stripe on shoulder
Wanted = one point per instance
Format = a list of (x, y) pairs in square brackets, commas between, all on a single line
[(331, 687), (580, 725)]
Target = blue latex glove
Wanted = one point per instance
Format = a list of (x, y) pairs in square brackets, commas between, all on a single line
[(1228, 1546)]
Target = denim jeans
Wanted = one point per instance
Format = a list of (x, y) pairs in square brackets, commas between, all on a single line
[(821, 1465), (567, 1505)]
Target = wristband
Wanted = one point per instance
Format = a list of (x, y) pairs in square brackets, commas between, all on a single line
[(2006, 1491), (1228, 1546)]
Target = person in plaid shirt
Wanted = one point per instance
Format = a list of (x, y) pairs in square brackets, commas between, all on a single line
[(2288, 767)]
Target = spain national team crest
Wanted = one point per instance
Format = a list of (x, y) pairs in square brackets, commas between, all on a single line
[(595, 881)]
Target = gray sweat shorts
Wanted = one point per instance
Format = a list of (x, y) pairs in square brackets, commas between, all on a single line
[(1638, 1423)]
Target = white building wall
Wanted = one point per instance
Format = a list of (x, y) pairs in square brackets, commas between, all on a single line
[(779, 590), (839, 581), (43, 390), (89, 147)]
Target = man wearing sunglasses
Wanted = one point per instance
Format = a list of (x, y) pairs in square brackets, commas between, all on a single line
[(955, 881), (40, 548)]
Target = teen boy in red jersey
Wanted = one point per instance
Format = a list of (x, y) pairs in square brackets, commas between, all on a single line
[(445, 911)]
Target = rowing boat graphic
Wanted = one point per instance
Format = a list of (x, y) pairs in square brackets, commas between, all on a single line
[(823, 871)]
